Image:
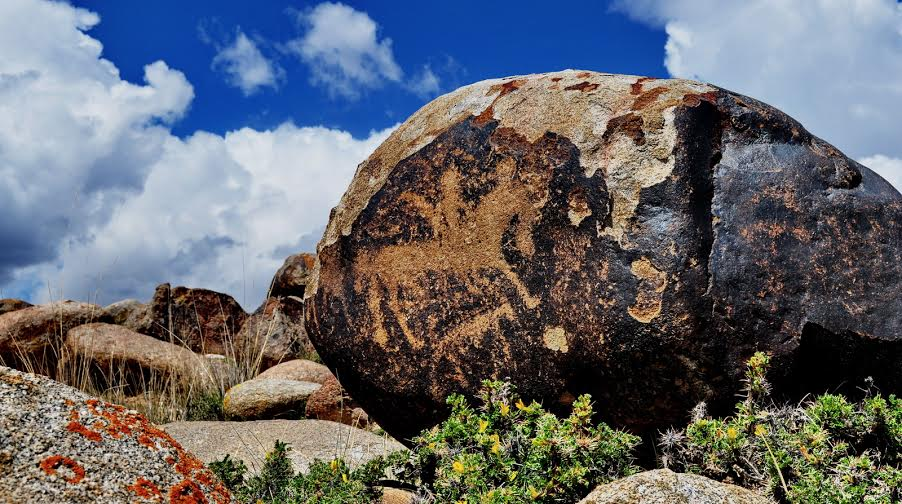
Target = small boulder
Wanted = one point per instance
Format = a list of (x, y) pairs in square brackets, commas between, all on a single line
[(60, 445), (202, 320), (30, 338), (132, 314), (133, 358), (274, 334), (397, 496), (298, 370), (331, 402), (292, 277), (267, 399), (663, 486), (309, 440), (10, 305)]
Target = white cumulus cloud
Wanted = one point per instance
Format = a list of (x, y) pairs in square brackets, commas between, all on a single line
[(344, 51), (246, 67), (100, 200), (836, 66)]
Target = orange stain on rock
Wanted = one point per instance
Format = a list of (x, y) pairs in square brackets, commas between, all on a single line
[(52, 464), (145, 489)]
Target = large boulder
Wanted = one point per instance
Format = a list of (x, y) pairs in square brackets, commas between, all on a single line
[(31, 338), (266, 399), (663, 486), (9, 305), (133, 359), (274, 334), (60, 445), (203, 320), (308, 439), (633, 238), (292, 277)]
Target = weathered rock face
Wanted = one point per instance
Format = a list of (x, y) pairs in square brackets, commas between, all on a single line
[(132, 314), (30, 338), (60, 445), (308, 439), (330, 402), (293, 276), (200, 319), (10, 305), (133, 358), (266, 399), (667, 487), (633, 238), (275, 334)]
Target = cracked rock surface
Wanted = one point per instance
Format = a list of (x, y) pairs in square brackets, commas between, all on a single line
[(633, 238)]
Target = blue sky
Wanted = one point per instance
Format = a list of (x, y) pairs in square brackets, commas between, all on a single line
[(461, 42), (201, 142)]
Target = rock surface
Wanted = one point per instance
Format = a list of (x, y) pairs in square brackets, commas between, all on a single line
[(35, 334), (275, 333), (132, 314), (309, 440), (292, 277), (9, 305), (267, 398), (200, 319), (663, 486), (298, 370), (60, 445), (135, 357), (331, 402), (633, 238)]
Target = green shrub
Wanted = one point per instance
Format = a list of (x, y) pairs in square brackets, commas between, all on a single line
[(509, 451), (205, 405), (825, 450), (504, 451)]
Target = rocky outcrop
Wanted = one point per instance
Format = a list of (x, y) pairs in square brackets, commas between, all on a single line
[(633, 238), (330, 402), (10, 305), (292, 277), (133, 359), (31, 338), (132, 314), (298, 370), (309, 440), (60, 445), (202, 320), (274, 334), (667, 487), (267, 398)]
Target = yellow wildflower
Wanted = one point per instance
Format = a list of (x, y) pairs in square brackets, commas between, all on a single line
[(344, 477), (513, 476), (535, 494), (334, 464), (458, 467), (732, 432), (483, 425), (520, 405), (760, 430), (505, 409)]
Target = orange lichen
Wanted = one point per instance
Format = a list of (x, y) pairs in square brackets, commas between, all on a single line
[(145, 489), (646, 98), (78, 428), (636, 87), (584, 86), (186, 492), (53, 463)]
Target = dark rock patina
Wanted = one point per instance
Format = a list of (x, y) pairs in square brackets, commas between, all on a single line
[(632, 238), (203, 320)]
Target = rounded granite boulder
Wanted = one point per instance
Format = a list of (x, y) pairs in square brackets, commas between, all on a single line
[(633, 238)]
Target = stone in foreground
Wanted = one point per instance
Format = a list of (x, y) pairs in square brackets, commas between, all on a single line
[(633, 238), (60, 445), (309, 440), (267, 398), (663, 486)]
